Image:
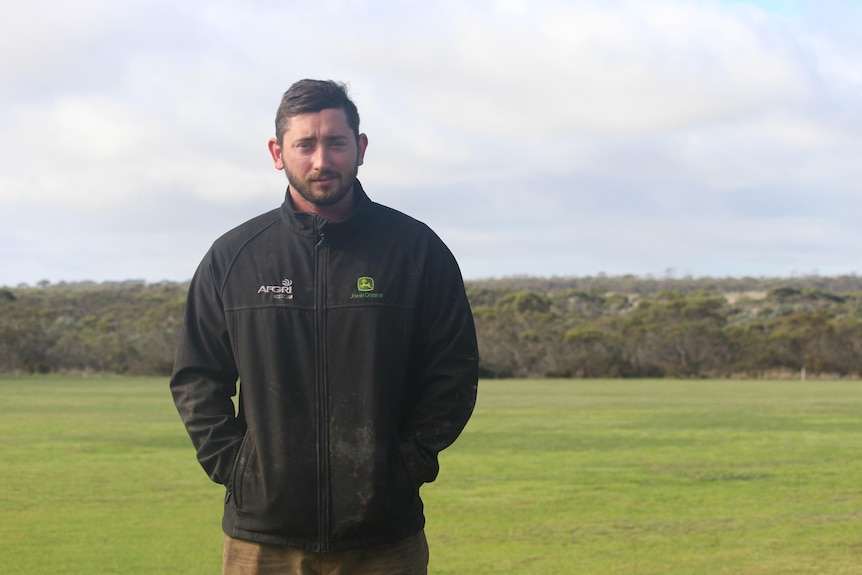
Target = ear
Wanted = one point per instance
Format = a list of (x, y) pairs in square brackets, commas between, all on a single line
[(361, 145), (275, 152)]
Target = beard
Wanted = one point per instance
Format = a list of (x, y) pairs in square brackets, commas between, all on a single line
[(326, 193)]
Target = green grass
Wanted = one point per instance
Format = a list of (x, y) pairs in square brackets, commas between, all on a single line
[(578, 477), (654, 477), (97, 477)]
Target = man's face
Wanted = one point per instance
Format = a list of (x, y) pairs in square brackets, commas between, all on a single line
[(321, 156)]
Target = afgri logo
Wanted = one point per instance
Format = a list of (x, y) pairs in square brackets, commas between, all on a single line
[(284, 291)]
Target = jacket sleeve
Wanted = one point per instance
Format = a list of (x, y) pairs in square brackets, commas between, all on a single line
[(446, 358), (204, 379)]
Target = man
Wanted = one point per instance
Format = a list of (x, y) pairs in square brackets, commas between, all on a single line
[(347, 326)]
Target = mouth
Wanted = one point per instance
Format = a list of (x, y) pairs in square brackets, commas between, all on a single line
[(323, 178)]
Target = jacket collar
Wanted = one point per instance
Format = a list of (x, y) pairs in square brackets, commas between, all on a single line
[(311, 224)]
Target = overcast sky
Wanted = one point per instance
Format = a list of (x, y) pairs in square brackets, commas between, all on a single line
[(544, 138)]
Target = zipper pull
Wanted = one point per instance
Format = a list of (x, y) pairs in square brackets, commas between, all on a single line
[(321, 235)]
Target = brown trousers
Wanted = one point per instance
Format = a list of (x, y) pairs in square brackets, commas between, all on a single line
[(406, 557)]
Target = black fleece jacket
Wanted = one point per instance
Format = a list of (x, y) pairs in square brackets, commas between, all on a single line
[(355, 351)]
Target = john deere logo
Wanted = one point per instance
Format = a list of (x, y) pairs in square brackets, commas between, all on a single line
[(365, 284)]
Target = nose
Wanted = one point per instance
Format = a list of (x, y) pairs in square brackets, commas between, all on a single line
[(320, 158)]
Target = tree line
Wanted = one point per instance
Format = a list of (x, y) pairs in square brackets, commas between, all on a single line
[(125, 328), (528, 327)]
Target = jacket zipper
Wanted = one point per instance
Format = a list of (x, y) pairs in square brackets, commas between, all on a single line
[(323, 504)]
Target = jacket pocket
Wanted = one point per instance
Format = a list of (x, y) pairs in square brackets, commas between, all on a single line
[(239, 468), (404, 448), (420, 467)]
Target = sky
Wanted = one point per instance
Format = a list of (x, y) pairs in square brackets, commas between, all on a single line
[(541, 138)]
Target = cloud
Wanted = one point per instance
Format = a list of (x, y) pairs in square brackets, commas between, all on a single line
[(492, 87), (560, 87), (624, 68)]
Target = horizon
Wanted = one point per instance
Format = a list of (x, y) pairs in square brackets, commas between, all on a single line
[(512, 278)]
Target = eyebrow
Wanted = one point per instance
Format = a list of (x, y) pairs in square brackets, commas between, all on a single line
[(325, 138)]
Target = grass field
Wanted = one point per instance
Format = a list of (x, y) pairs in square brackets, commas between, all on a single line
[(577, 477)]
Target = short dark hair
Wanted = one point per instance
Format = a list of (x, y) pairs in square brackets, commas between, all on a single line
[(308, 96)]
